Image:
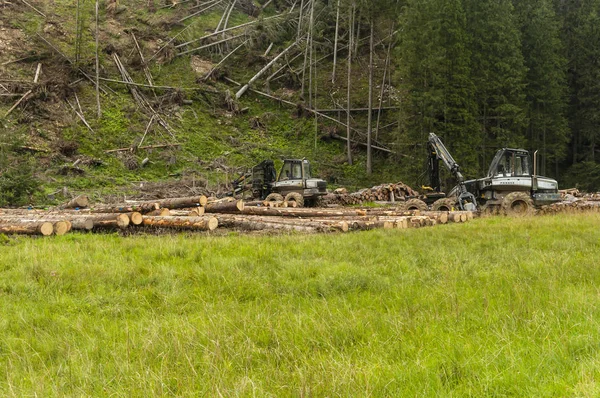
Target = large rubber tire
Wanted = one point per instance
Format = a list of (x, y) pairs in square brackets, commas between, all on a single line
[(295, 197), (416, 204), (518, 204), (274, 197), (445, 204)]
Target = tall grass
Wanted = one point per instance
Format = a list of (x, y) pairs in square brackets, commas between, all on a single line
[(496, 307)]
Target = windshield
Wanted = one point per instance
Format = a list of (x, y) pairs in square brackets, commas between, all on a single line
[(512, 164), (307, 170)]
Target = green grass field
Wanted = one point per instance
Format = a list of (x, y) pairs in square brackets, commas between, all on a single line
[(495, 307)]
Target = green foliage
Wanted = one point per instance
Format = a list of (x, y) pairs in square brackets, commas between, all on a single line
[(17, 183), (498, 73), (17, 172), (436, 74), (584, 176), (546, 89), (362, 314)]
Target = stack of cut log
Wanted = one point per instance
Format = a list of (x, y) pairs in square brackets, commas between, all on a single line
[(203, 214), (379, 193), (572, 206)]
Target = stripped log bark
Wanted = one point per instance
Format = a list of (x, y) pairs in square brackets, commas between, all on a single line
[(110, 221), (141, 207), (292, 212), (135, 217), (190, 223), (225, 207), (62, 227), (76, 222), (247, 225), (317, 224), (17, 227), (80, 201), (165, 212)]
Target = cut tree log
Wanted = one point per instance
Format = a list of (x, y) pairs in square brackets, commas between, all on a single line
[(206, 223), (225, 207), (80, 201), (26, 227), (317, 224), (62, 227), (110, 221), (164, 212), (75, 222), (135, 217), (249, 225), (293, 212), (140, 207)]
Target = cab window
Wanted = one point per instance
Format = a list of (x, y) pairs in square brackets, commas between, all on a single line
[(286, 172), (307, 171), (297, 171)]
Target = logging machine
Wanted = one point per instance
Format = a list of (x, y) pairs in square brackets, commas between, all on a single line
[(294, 183), (510, 184)]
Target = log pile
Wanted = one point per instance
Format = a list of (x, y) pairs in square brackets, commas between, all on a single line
[(204, 214), (572, 206), (380, 193)]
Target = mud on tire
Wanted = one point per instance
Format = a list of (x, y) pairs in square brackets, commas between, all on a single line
[(274, 197), (518, 204), (415, 204), (445, 204), (295, 197)]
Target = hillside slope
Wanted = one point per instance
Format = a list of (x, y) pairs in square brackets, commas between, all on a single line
[(55, 132)]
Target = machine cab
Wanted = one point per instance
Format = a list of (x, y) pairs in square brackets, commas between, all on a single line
[(295, 169), (510, 163)]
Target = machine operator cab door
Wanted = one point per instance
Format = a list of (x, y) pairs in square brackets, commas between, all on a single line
[(293, 175), (511, 167)]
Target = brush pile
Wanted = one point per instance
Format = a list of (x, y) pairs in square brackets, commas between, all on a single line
[(380, 193)]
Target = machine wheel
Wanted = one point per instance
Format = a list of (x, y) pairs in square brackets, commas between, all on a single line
[(444, 204), (416, 204), (274, 197), (295, 197), (518, 203)]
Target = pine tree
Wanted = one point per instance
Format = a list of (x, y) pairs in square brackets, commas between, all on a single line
[(435, 75), (546, 81), (498, 73), (585, 81)]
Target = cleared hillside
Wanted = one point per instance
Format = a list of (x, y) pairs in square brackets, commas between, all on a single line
[(205, 137)]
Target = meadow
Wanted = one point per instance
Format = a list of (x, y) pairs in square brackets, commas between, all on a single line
[(494, 307)]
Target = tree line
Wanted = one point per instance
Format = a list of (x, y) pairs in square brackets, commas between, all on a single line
[(486, 74)]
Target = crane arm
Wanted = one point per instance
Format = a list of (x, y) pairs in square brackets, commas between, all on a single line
[(437, 152)]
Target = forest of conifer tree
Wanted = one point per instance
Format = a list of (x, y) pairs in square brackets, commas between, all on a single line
[(485, 74)]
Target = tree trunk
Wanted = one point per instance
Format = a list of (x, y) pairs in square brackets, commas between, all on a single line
[(310, 56), (256, 222), (27, 228), (81, 201), (141, 207), (205, 223), (370, 116), (385, 69), (349, 80), (335, 42), (225, 207), (242, 90), (97, 66)]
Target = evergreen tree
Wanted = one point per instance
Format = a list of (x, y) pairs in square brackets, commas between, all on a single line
[(436, 79), (498, 73), (585, 81), (546, 81)]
